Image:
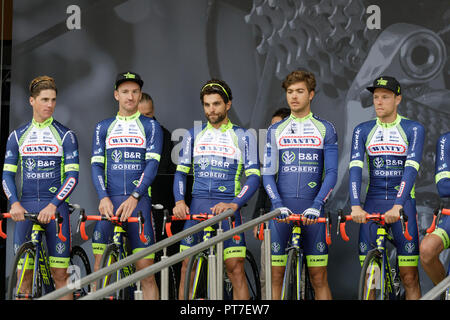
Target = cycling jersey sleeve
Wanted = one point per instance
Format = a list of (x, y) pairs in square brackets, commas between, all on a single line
[(330, 150), (416, 138), (183, 167), (10, 168), (270, 168), (71, 168), (98, 159), (154, 138), (442, 170), (356, 165), (249, 151)]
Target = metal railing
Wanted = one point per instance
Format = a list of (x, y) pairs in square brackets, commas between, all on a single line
[(167, 261), (437, 290)]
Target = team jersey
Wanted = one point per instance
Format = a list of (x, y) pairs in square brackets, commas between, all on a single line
[(442, 169), (218, 158), (47, 154), (300, 160), (125, 155), (394, 152)]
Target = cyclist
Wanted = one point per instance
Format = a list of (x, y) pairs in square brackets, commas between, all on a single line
[(394, 149), (217, 152), (126, 151), (47, 153), (302, 152), (432, 245)]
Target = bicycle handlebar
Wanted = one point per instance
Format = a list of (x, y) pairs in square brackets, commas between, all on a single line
[(378, 217), (438, 212), (34, 217), (81, 228), (167, 222)]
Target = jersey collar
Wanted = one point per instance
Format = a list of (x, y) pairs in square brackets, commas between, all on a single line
[(308, 116), (224, 127), (391, 124), (129, 118), (44, 124)]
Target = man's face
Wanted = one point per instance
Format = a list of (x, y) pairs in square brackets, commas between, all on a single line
[(385, 102), (128, 94), (43, 105), (298, 97), (215, 108), (146, 108)]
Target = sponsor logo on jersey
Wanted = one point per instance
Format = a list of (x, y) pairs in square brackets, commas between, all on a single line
[(300, 141), (216, 149), (68, 186), (40, 149), (387, 148), (128, 141)]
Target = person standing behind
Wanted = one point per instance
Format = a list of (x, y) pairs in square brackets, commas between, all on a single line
[(433, 244), (394, 146), (47, 153), (126, 151), (299, 172)]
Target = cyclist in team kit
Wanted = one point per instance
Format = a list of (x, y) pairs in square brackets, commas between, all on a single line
[(394, 146), (299, 172), (217, 153), (432, 245), (126, 151), (47, 154)]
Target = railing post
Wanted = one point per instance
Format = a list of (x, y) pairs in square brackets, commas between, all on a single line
[(212, 275), (164, 278), (219, 269), (268, 261)]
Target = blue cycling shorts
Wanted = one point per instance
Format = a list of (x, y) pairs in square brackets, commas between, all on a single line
[(58, 251), (104, 230), (443, 230), (313, 239), (233, 248), (407, 251)]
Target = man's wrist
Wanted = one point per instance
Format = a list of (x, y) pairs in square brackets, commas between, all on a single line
[(136, 195)]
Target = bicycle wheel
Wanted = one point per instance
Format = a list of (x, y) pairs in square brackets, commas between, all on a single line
[(371, 285), (296, 284), (79, 268), (20, 284), (198, 287), (110, 256)]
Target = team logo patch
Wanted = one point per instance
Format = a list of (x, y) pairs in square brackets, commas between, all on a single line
[(40, 149), (128, 141), (386, 148), (300, 141)]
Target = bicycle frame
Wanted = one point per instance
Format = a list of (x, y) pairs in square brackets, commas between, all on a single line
[(41, 265), (295, 242), (382, 235)]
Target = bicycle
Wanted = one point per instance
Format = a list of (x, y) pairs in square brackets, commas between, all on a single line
[(296, 282), (436, 218), (31, 261), (377, 279), (200, 285), (115, 251)]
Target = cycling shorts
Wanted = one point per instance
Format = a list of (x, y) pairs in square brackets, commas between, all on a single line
[(313, 239), (58, 250), (407, 251), (443, 230), (104, 230), (232, 248)]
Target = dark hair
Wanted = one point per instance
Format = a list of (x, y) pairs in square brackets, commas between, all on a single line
[(282, 113), (300, 76), (41, 83), (146, 97), (216, 86)]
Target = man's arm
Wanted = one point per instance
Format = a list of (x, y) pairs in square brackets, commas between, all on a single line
[(249, 150), (71, 168), (10, 168), (442, 169), (416, 138), (270, 168)]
